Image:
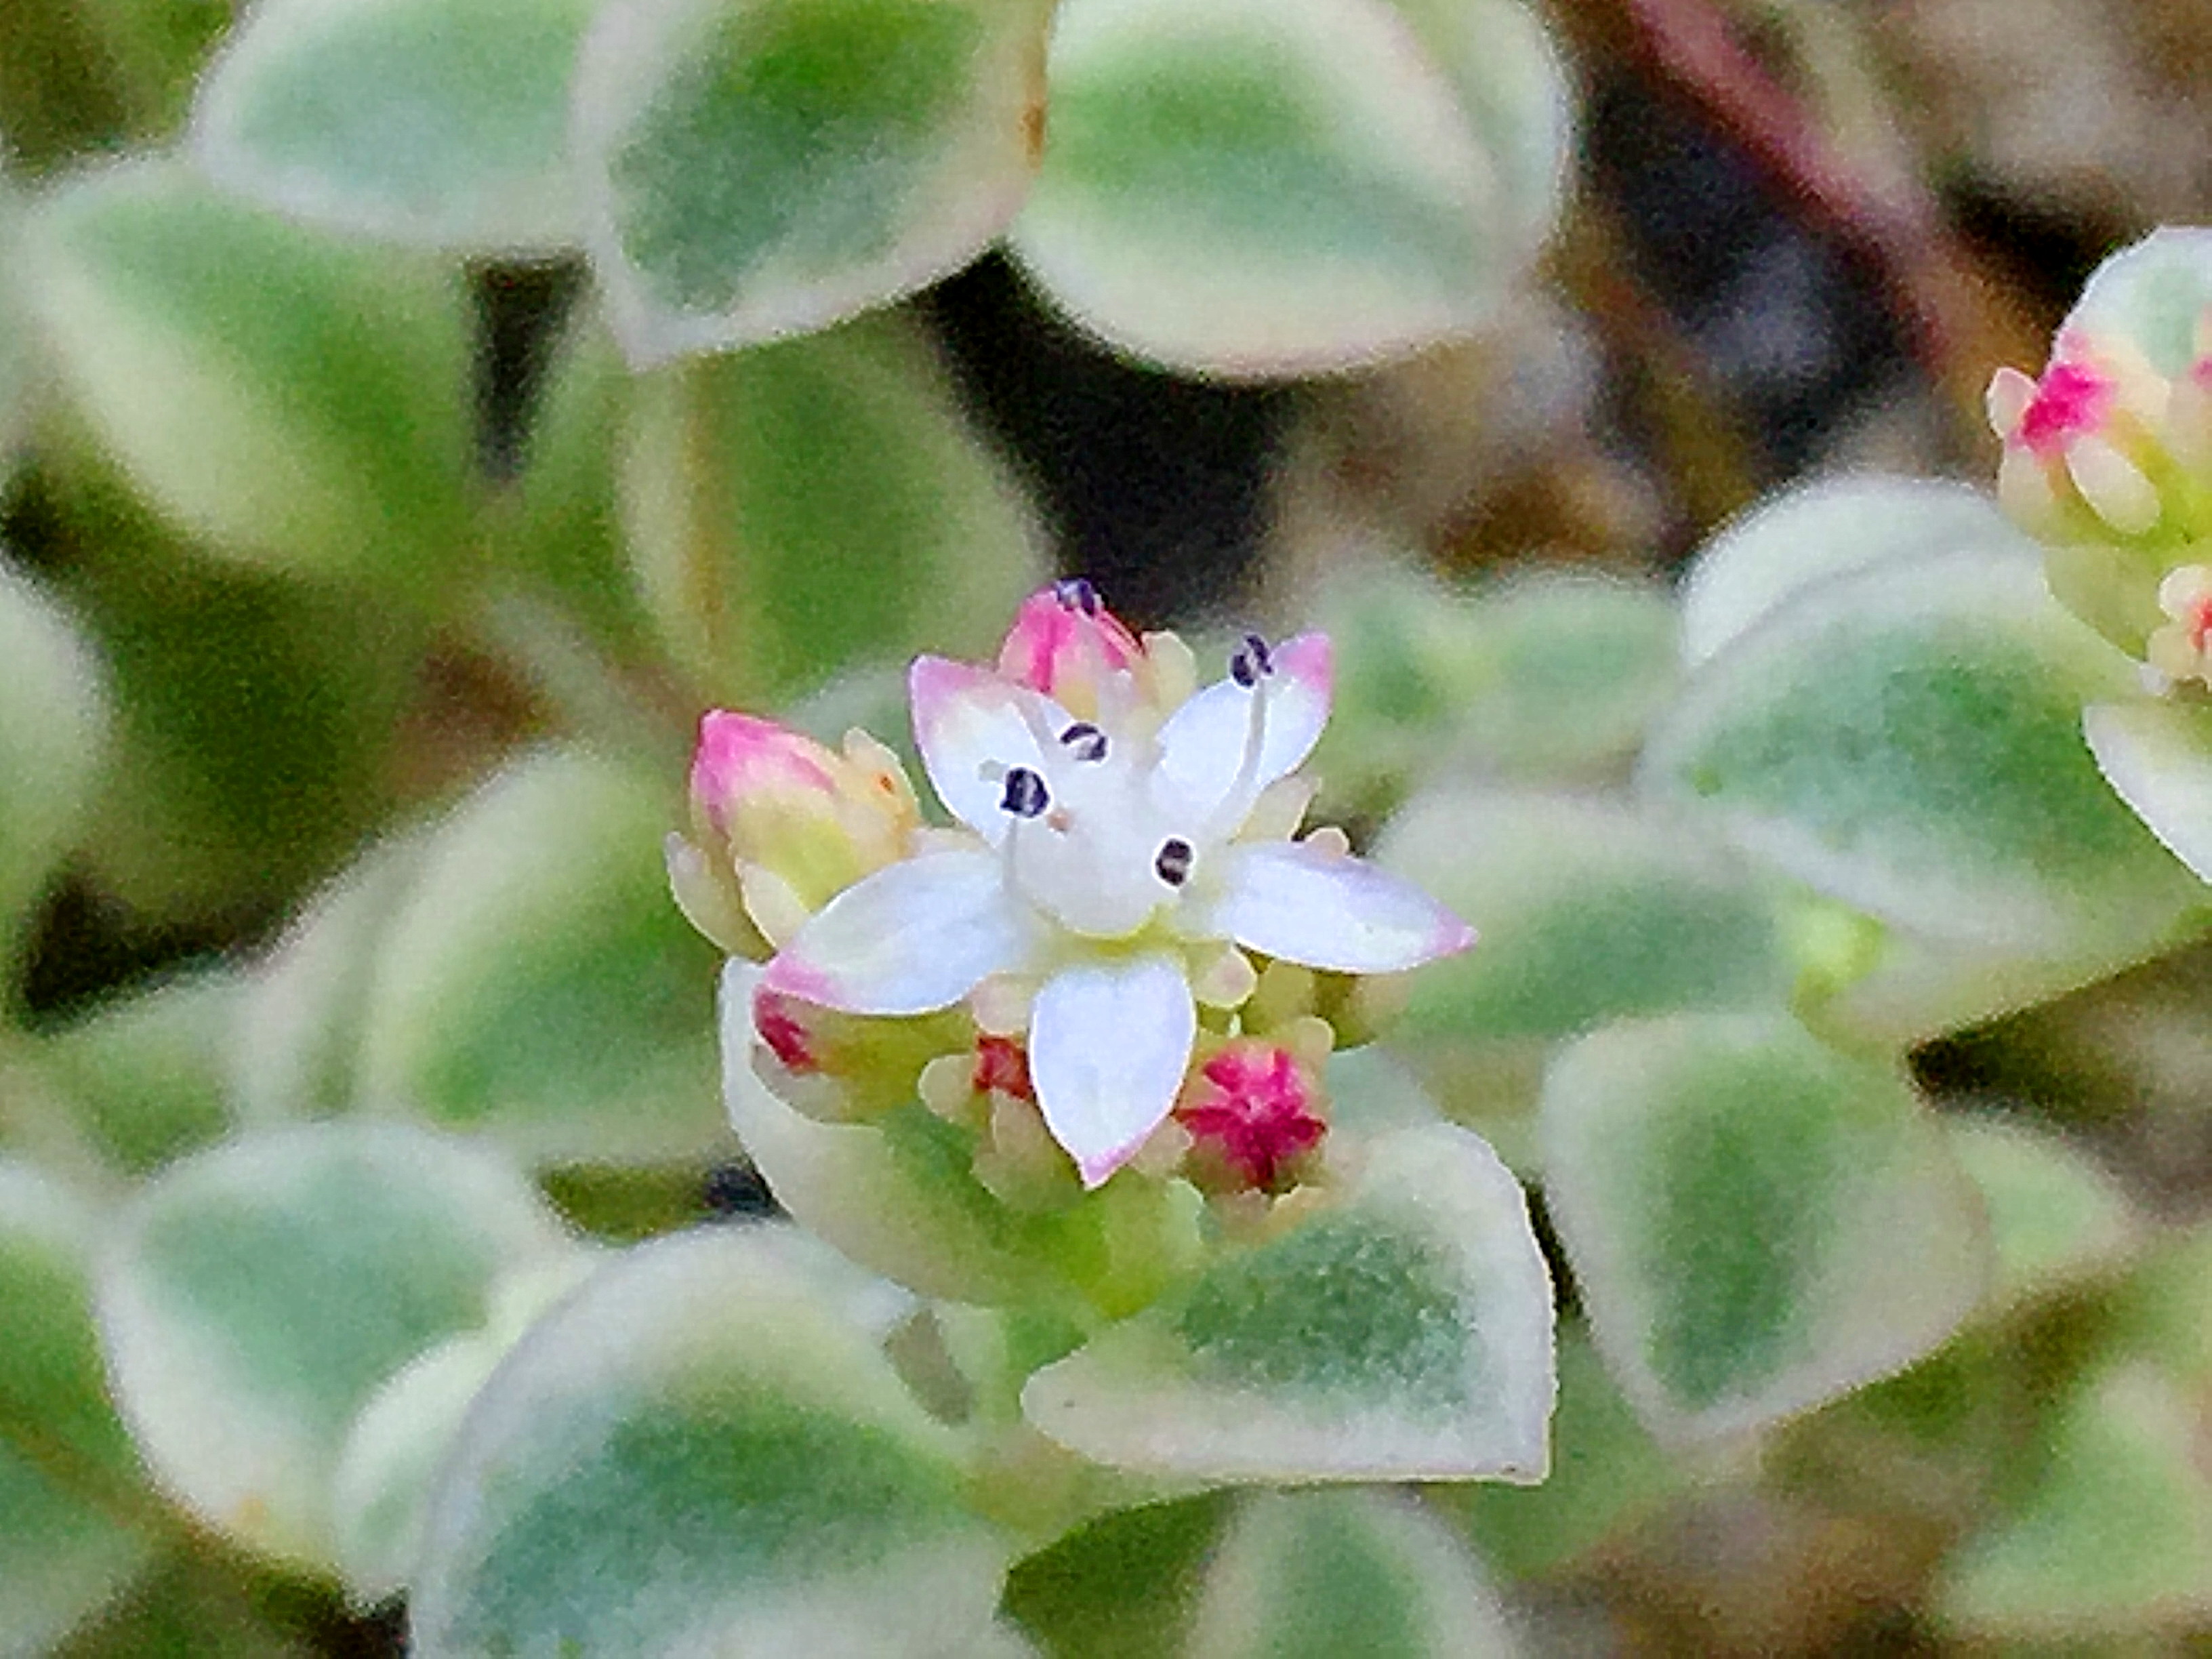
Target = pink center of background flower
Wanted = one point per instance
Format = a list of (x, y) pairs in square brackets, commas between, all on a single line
[(2197, 619), (1002, 1066), (1252, 1106), (779, 1028), (2071, 400)]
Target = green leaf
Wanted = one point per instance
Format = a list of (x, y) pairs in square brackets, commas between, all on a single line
[(2113, 1542), (2056, 1217), (434, 121), (1315, 1575), (53, 737), (1912, 746), (148, 1074), (1261, 187), (62, 1454), (771, 168), (537, 983), (299, 404), (1404, 1334), (257, 721), (61, 1560), (694, 1449), (797, 509), (1792, 543), (1758, 1222), (254, 1297), (1585, 911), (2159, 756), (1606, 1476), (1122, 1586), (53, 1394)]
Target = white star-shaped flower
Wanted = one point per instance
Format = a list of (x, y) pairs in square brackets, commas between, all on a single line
[(1113, 862)]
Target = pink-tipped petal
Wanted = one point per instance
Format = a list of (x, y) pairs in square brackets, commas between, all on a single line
[(969, 727), (1109, 1044), (915, 936), (1203, 744), (1326, 909)]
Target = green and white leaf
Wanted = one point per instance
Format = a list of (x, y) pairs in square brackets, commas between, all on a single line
[(299, 403), (1608, 1475), (2153, 294), (766, 169), (799, 508), (1758, 1222), (536, 983), (1913, 747), (53, 740), (1587, 910), (898, 1196), (1270, 187), (2157, 755), (300, 1017), (696, 1453), (2112, 1547), (1404, 1334), (254, 1297), (442, 122), (1792, 543), (1315, 1575)]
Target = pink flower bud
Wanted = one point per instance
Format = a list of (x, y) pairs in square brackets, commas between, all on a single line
[(1068, 644), (1250, 1113), (794, 824)]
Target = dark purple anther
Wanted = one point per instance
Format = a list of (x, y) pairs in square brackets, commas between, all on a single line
[(1248, 663), (1026, 795), (1076, 594), (1172, 863), (1085, 741)]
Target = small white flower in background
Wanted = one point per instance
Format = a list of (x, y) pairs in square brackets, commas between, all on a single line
[(2181, 651), (1125, 841)]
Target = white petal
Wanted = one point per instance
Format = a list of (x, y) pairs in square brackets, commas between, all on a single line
[(1109, 1042), (969, 727), (1323, 909), (2113, 486), (1202, 746), (916, 936)]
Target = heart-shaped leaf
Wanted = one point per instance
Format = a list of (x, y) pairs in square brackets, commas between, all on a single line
[(1260, 187), (695, 1448), (1765, 560), (1405, 1335), (53, 731), (2159, 756), (435, 121), (299, 402), (770, 168), (536, 982), (254, 1297), (794, 509), (1912, 745), (1758, 1222)]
